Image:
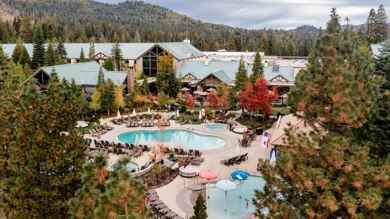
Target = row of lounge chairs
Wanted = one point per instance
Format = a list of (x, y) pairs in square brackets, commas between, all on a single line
[(159, 209), (98, 131), (181, 151), (120, 148), (148, 123), (235, 160)]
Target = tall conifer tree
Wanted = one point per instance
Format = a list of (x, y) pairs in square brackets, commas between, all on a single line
[(38, 58), (241, 76), (381, 25), (326, 173), (61, 52), (43, 165), (257, 69)]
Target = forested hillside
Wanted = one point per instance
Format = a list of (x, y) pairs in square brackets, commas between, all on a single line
[(136, 21)]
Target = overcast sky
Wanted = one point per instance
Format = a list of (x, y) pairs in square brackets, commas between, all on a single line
[(270, 13)]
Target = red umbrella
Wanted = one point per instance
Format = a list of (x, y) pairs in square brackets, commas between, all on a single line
[(208, 175)]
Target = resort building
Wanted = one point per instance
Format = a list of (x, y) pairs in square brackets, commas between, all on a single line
[(84, 74), (141, 57), (202, 75)]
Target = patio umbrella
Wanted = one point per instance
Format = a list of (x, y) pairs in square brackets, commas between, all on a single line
[(177, 113), (208, 175), (239, 175), (118, 114), (200, 115), (148, 109), (134, 112), (225, 185), (81, 124), (189, 171)]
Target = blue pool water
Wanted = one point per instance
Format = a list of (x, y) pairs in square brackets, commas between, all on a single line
[(237, 199), (216, 126), (173, 138)]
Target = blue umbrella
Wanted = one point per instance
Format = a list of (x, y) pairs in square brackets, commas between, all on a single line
[(239, 175)]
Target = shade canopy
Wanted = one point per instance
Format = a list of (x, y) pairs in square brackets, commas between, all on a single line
[(189, 171), (134, 112), (226, 185), (239, 175), (208, 175)]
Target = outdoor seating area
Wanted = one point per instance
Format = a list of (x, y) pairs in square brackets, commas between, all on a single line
[(120, 148), (235, 160), (159, 209), (98, 131), (139, 121)]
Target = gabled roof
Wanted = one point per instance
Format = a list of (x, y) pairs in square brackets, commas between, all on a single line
[(221, 76), (180, 50), (286, 72), (85, 73), (227, 70)]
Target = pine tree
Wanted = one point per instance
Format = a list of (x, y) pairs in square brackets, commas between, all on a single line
[(20, 54), (377, 129), (92, 53), (82, 56), (339, 60), (38, 58), (264, 42), (257, 70), (200, 209), (101, 79), (381, 25), (43, 165), (326, 173), (107, 194), (61, 52), (371, 26), (241, 76), (51, 57), (108, 64), (116, 54)]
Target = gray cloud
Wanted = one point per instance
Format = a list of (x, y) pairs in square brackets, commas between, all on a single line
[(256, 14)]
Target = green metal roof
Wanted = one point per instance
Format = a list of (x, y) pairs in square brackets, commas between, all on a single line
[(132, 51), (85, 73), (226, 70)]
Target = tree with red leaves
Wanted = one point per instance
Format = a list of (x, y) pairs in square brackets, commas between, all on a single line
[(213, 100), (257, 97), (189, 101)]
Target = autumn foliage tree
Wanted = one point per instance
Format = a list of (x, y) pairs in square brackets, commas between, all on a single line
[(189, 101), (256, 98), (219, 99)]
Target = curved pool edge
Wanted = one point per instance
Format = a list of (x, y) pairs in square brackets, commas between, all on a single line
[(193, 130)]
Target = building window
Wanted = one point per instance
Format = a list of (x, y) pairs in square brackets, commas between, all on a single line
[(150, 61)]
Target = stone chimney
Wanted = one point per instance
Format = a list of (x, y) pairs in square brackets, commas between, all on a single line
[(130, 79)]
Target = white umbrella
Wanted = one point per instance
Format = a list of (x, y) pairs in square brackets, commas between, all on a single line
[(226, 185), (200, 115), (177, 113), (189, 171), (81, 124), (148, 109), (134, 112), (118, 114)]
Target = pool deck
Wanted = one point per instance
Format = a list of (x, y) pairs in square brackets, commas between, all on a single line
[(175, 195)]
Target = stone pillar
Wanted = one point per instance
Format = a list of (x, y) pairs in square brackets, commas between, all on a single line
[(130, 79)]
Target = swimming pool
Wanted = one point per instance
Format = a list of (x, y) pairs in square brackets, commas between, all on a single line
[(173, 138), (239, 201), (216, 126)]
